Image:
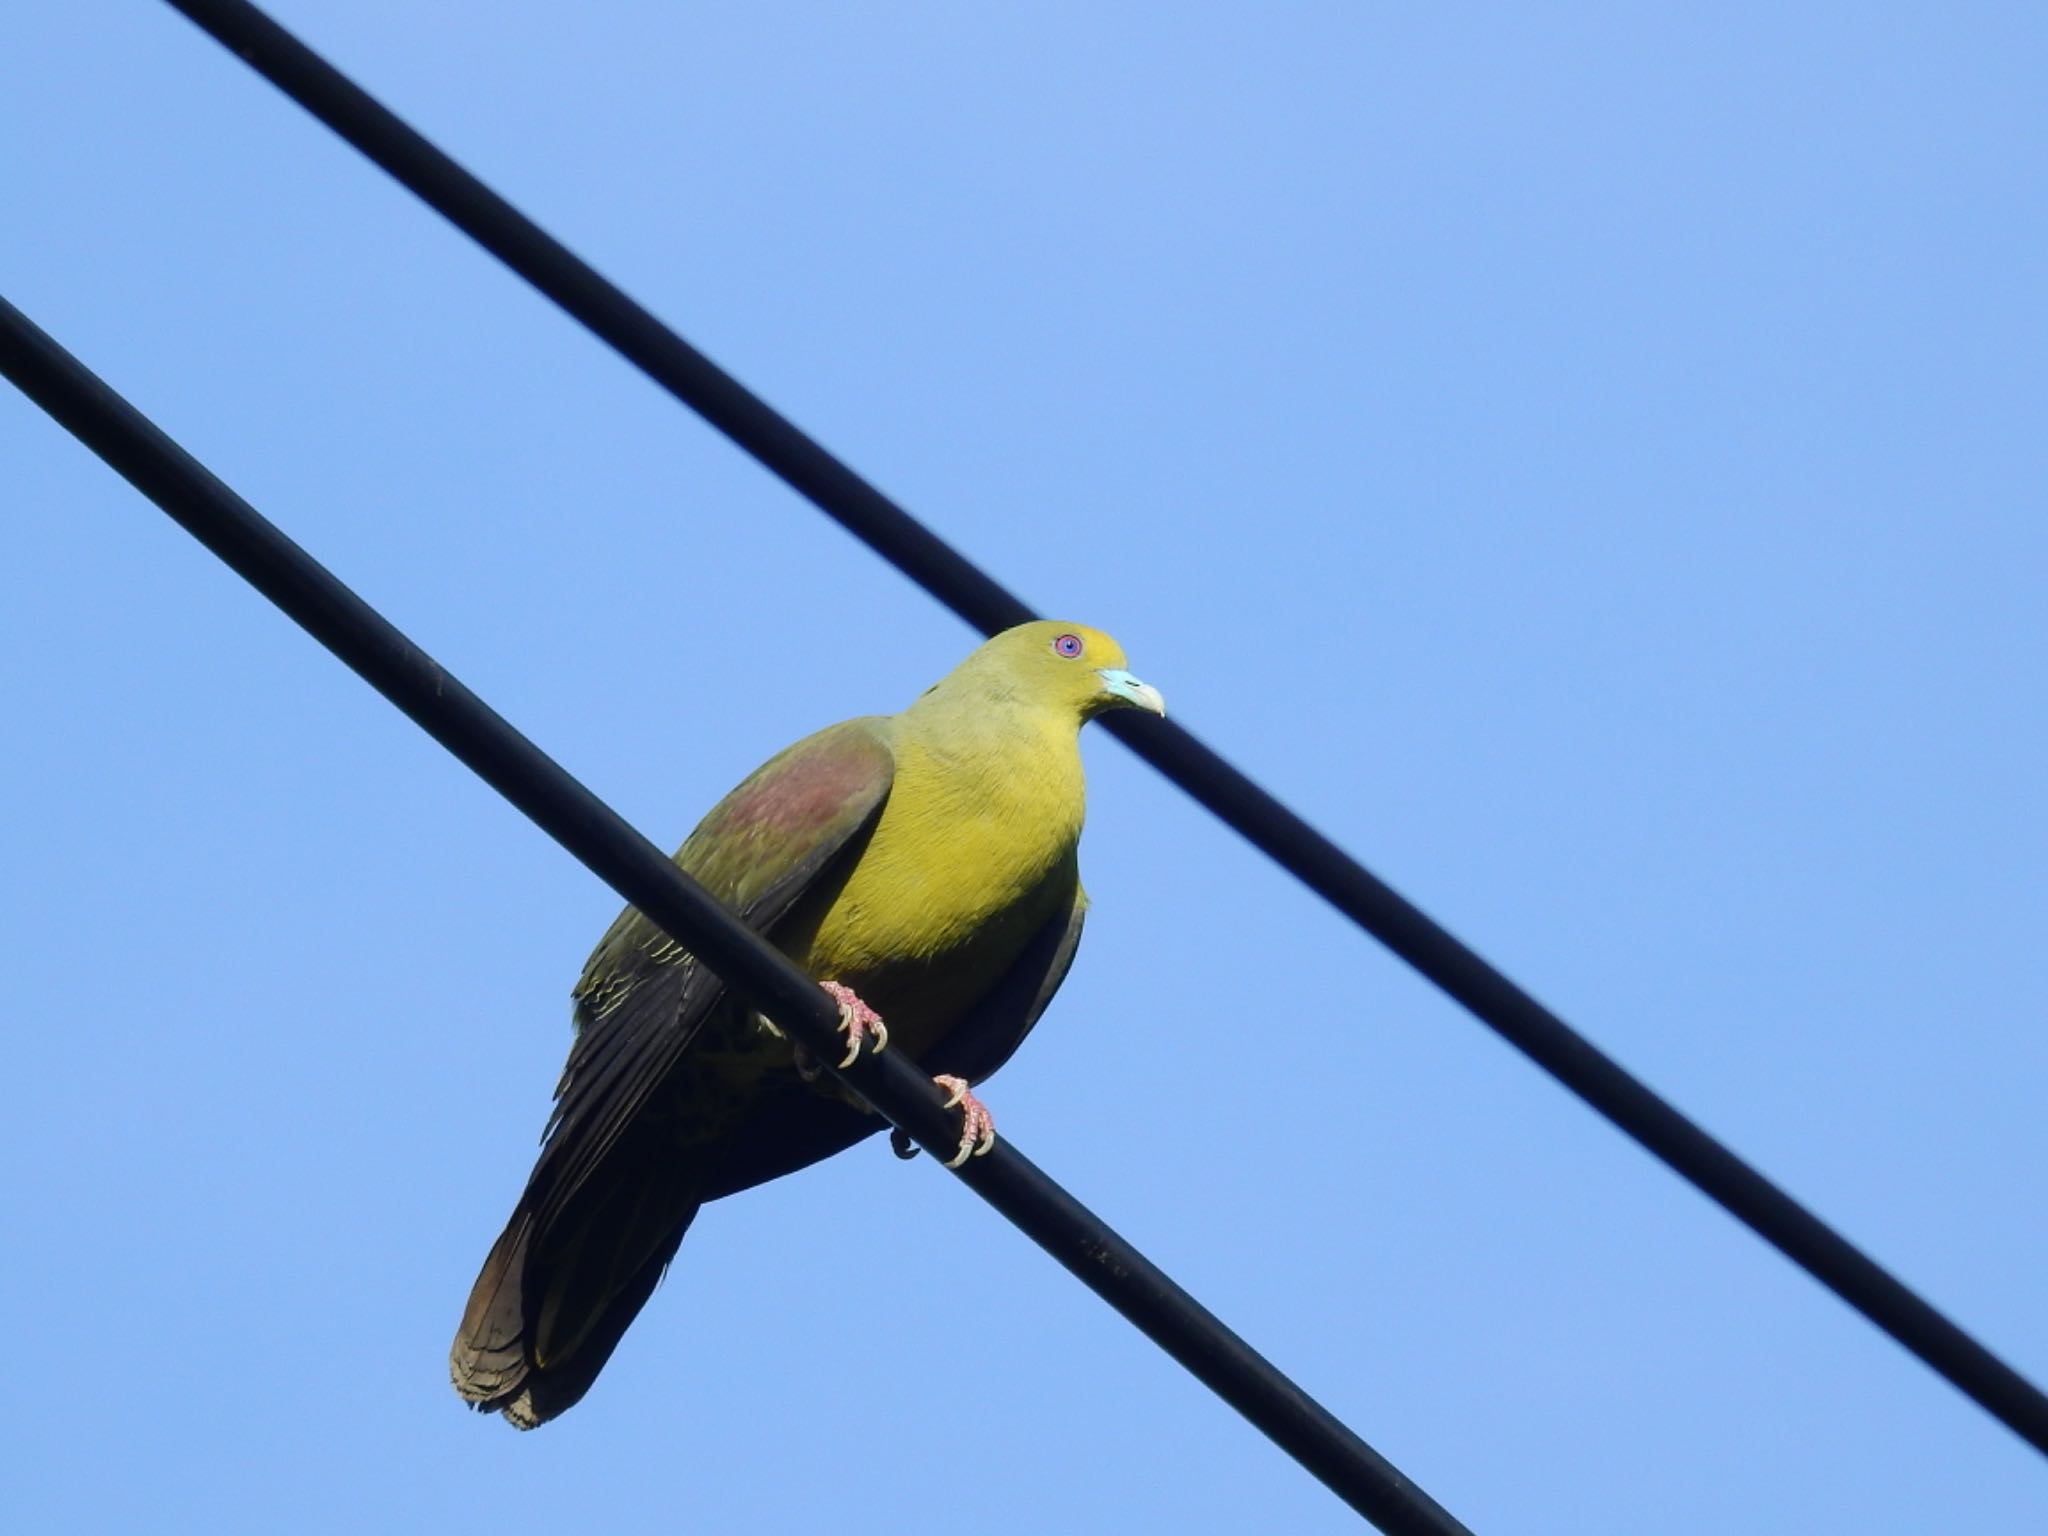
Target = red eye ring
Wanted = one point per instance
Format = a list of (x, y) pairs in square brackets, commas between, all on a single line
[(1068, 646)]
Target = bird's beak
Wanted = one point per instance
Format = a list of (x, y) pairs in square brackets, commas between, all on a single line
[(1125, 689)]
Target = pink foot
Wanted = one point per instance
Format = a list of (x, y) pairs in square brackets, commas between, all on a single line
[(977, 1125), (860, 1022)]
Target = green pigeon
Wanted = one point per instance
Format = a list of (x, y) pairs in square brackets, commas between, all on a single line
[(921, 866)]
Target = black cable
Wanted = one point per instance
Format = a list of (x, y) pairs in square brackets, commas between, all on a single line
[(915, 550), (597, 835)]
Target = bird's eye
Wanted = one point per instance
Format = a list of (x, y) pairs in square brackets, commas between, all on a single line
[(1068, 646)]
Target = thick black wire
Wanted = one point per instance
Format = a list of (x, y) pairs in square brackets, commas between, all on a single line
[(970, 592), (596, 834)]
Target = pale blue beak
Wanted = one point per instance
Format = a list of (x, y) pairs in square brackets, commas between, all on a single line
[(1125, 688)]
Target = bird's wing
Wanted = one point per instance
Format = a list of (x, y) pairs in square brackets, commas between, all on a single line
[(993, 1029), (797, 822), (792, 1126)]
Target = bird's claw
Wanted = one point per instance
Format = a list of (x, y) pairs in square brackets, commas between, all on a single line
[(977, 1125), (859, 1022)]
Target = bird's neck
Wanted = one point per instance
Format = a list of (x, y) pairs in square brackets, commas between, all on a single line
[(1004, 745)]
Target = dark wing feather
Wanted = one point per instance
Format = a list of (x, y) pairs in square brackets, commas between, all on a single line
[(583, 1249), (978, 1046), (642, 998)]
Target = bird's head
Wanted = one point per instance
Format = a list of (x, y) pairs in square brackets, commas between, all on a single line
[(1052, 664)]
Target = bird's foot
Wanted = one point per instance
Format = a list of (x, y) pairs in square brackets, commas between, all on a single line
[(860, 1023), (977, 1125)]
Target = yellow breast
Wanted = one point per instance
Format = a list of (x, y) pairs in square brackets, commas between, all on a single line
[(975, 851)]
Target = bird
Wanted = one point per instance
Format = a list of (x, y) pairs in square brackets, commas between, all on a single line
[(921, 868)]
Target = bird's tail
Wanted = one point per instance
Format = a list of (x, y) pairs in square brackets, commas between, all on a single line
[(558, 1291)]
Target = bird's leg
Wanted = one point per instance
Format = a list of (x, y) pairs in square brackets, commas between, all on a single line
[(977, 1125), (859, 1021)]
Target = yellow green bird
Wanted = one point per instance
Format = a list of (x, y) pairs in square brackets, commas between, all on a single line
[(921, 866)]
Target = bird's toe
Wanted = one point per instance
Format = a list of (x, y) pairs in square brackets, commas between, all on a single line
[(861, 1025), (977, 1125)]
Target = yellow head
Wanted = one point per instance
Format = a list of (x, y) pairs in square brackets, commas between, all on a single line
[(1049, 665)]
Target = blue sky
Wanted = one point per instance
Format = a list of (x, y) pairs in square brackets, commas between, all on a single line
[(1588, 460)]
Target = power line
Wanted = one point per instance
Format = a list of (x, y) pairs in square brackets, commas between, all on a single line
[(782, 447), (598, 836)]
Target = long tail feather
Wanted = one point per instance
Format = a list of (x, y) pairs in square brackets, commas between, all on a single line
[(554, 1298)]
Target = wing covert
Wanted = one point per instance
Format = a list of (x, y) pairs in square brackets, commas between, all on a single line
[(799, 819)]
